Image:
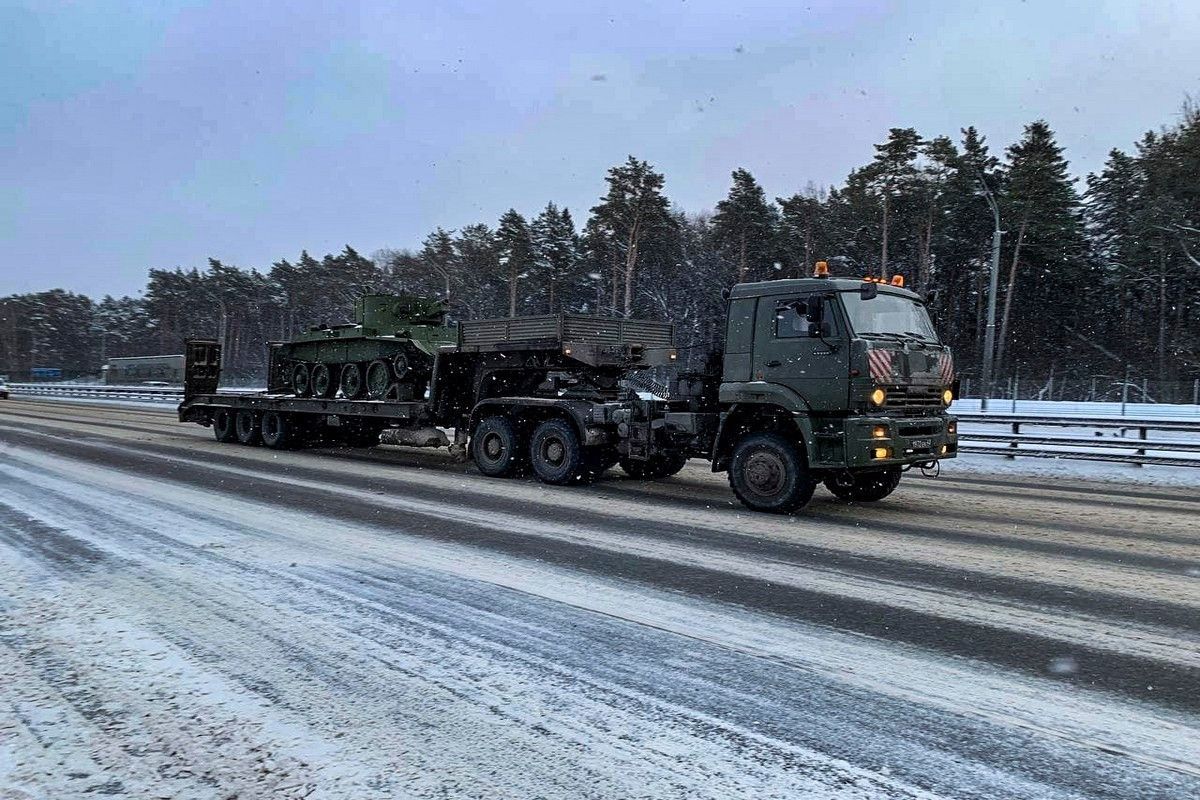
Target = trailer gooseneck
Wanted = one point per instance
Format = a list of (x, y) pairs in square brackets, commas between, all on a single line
[(821, 379)]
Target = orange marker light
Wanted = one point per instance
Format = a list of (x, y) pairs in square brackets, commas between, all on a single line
[(821, 269), (898, 280)]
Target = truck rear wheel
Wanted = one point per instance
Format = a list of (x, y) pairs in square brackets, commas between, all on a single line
[(497, 448), (248, 428), (864, 487), (557, 454), (223, 426), (279, 430), (768, 474)]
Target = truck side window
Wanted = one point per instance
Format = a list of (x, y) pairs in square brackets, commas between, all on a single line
[(792, 317)]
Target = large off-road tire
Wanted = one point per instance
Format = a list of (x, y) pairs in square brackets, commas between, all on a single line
[(323, 384), (249, 430), (379, 379), (224, 429), (351, 382), (279, 430), (659, 466), (556, 453), (301, 380), (864, 487), (498, 448), (768, 473)]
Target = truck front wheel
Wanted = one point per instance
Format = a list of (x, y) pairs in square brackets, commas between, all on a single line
[(768, 474), (865, 487), (557, 454), (497, 449)]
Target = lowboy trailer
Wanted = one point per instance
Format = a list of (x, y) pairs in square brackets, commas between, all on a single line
[(821, 379)]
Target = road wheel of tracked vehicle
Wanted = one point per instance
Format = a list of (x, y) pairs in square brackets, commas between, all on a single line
[(864, 487), (659, 466), (497, 448), (248, 428), (323, 384), (301, 380), (557, 454), (279, 430), (379, 378), (351, 381), (400, 365), (223, 427), (768, 474)]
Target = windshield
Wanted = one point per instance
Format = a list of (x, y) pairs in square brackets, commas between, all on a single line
[(888, 314)]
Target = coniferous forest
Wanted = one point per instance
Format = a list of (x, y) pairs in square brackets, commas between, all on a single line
[(1099, 276)]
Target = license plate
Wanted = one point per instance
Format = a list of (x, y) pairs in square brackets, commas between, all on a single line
[(922, 444)]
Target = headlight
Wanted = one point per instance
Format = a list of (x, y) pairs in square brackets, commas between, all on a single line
[(947, 397), (879, 432), (879, 396), (880, 452), (952, 427)]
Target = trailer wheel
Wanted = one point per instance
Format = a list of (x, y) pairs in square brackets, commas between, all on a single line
[(279, 430), (497, 448), (379, 379), (660, 466), (223, 426), (864, 487), (301, 380), (249, 429), (768, 474), (351, 381), (322, 381), (557, 454)]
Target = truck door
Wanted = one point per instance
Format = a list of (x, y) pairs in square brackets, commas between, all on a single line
[(785, 352)]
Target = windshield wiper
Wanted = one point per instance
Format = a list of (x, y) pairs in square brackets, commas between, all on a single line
[(882, 334), (921, 336)]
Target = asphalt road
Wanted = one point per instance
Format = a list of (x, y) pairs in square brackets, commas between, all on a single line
[(181, 618)]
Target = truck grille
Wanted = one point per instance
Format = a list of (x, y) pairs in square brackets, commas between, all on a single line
[(911, 401)]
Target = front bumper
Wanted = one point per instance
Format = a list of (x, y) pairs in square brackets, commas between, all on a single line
[(906, 440)]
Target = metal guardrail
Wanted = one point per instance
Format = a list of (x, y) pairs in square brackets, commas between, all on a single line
[(156, 394), (1141, 450)]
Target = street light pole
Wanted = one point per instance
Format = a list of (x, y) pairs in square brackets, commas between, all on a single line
[(989, 339)]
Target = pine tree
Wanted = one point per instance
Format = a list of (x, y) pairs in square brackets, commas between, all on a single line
[(745, 227), (1047, 249), (556, 246), (515, 253), (633, 211)]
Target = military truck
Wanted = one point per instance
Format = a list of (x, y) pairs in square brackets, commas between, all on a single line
[(821, 380)]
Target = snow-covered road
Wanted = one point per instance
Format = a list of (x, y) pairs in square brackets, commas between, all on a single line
[(185, 619)]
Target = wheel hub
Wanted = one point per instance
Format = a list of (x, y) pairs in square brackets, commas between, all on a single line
[(493, 447), (554, 452), (764, 473)]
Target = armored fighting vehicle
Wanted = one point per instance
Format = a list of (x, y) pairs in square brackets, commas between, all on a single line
[(385, 354)]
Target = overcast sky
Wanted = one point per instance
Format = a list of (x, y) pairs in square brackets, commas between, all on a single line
[(163, 133)]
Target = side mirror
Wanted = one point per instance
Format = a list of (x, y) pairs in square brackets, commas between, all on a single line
[(820, 330), (868, 290)]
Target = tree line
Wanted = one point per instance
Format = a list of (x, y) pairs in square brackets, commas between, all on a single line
[(1096, 276)]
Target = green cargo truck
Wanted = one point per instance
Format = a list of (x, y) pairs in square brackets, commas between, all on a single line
[(821, 379)]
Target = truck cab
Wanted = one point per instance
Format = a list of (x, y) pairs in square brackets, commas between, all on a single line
[(849, 376)]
